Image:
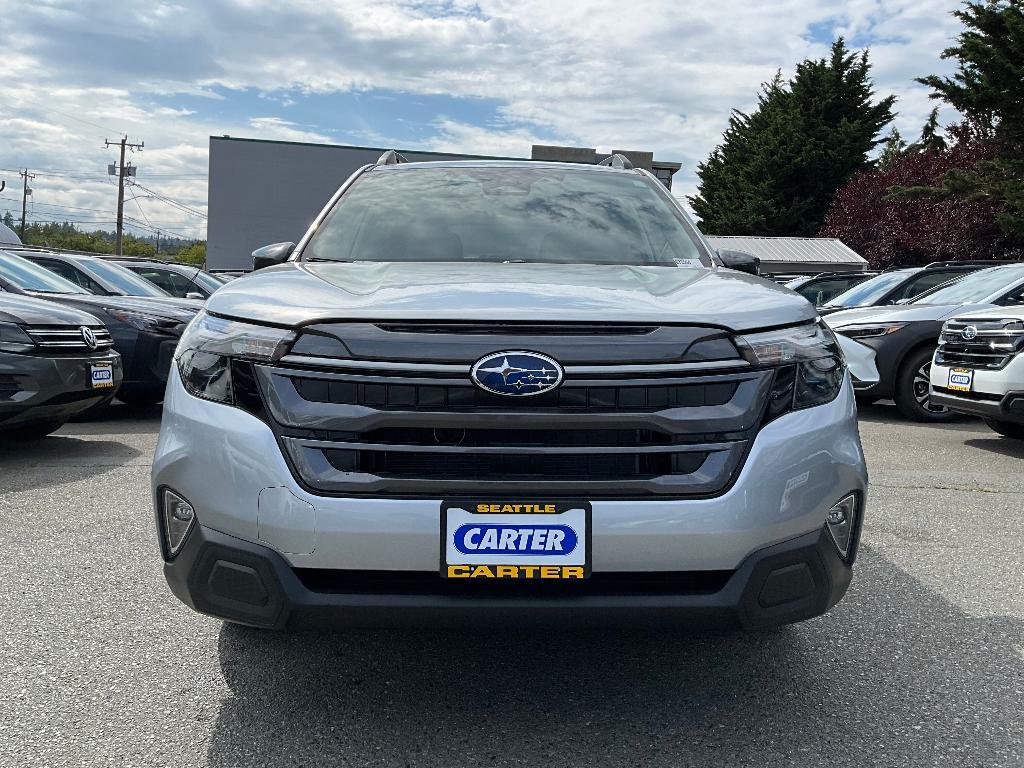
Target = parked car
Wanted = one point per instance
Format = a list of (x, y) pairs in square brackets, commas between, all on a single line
[(978, 368), (823, 288), (513, 390), (903, 339), (55, 362), (93, 274), (901, 285), (181, 280), (145, 329)]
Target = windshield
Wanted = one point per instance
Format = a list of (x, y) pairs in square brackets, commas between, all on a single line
[(122, 280), (206, 280), (866, 293), (796, 282), (31, 277), (976, 288), (501, 214)]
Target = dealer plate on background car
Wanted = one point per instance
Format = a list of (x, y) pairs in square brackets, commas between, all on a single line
[(515, 539), (960, 379), (101, 375)]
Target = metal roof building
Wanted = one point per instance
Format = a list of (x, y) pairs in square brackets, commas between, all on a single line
[(804, 255)]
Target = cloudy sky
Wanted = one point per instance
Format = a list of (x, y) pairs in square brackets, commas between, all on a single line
[(491, 76)]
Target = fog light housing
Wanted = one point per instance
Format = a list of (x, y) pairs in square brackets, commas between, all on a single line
[(843, 522), (178, 517)]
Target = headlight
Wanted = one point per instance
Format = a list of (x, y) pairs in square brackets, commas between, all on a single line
[(810, 365), (144, 321), (14, 339), (212, 350), (869, 330)]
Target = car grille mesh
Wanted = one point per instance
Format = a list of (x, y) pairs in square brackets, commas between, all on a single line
[(69, 338), (991, 345)]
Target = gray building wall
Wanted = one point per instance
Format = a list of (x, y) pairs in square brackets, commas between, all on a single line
[(263, 192)]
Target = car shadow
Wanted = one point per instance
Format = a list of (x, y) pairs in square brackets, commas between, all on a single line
[(886, 412), (58, 459), (893, 670), (1005, 446)]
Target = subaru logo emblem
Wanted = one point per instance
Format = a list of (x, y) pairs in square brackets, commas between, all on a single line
[(969, 333), (89, 338), (518, 374)]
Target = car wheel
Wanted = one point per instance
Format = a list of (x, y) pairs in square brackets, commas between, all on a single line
[(1006, 428), (32, 431), (912, 389)]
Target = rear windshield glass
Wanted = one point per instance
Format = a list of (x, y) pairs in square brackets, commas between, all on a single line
[(31, 277), (975, 288), (120, 279), (548, 215), (867, 293)]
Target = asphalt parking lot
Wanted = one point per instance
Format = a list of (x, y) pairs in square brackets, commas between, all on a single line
[(921, 664)]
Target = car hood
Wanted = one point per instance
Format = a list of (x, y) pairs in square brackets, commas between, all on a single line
[(907, 313), (26, 310), (170, 308), (991, 313), (298, 293)]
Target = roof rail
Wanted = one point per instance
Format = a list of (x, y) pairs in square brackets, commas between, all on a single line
[(971, 263), (617, 161), (391, 157)]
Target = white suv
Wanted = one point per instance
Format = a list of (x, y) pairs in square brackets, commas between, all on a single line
[(979, 369)]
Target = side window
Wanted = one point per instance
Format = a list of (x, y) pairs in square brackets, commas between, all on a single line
[(925, 281), (1014, 298), (76, 276), (823, 291), (172, 282)]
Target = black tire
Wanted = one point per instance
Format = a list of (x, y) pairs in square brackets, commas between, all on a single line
[(31, 431), (912, 396), (140, 397), (1006, 428)]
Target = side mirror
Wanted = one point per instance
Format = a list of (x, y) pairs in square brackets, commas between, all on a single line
[(741, 261), (269, 255), (195, 295)]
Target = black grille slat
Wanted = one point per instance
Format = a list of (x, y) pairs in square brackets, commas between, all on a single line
[(979, 352)]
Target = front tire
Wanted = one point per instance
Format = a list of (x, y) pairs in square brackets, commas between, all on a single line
[(1006, 428), (912, 389)]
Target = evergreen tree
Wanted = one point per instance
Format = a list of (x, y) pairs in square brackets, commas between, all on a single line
[(893, 150), (988, 89), (778, 168), (8, 220)]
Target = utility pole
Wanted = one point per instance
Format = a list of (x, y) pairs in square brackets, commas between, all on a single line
[(158, 243), (122, 171), (25, 192)]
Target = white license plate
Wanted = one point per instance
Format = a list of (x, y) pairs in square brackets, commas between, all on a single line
[(515, 540), (960, 379), (101, 375)]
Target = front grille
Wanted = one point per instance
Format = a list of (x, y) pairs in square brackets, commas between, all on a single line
[(61, 339), (335, 581), (994, 344), (627, 422)]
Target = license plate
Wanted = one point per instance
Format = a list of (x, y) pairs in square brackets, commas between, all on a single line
[(960, 379), (101, 375), (511, 540)]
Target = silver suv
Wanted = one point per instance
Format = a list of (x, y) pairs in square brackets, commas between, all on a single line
[(511, 391)]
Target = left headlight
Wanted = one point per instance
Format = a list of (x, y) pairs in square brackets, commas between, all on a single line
[(212, 347), (869, 330), (146, 322), (809, 363), (13, 338)]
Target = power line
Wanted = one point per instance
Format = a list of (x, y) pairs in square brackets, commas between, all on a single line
[(171, 201)]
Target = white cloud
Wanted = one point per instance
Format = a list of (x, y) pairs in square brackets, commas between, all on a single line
[(653, 74)]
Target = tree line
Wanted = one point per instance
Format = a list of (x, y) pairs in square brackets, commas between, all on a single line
[(67, 236), (813, 156)]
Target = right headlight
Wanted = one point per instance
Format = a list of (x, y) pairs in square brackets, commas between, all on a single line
[(213, 351), (14, 339), (809, 364)]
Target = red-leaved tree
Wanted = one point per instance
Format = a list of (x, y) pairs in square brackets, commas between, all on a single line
[(892, 229)]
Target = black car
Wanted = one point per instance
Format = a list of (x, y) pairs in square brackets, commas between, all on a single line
[(822, 288), (181, 280), (55, 362), (890, 348), (900, 285), (93, 274), (145, 330)]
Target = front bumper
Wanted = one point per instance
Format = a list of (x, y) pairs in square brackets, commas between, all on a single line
[(995, 395), (51, 389), (252, 584)]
